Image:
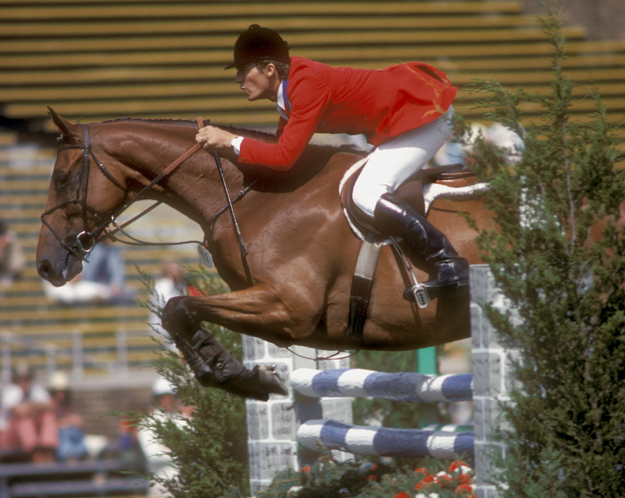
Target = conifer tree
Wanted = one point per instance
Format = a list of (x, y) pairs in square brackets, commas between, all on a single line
[(558, 255), (209, 450)]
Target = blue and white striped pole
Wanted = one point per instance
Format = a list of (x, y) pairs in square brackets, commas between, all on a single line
[(405, 386), (382, 441)]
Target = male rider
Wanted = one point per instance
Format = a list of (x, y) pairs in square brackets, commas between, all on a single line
[(404, 110)]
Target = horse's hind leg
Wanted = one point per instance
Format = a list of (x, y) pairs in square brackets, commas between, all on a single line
[(212, 365)]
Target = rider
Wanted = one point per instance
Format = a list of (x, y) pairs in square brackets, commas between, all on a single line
[(404, 110)]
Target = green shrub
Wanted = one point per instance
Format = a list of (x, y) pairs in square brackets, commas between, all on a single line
[(559, 256)]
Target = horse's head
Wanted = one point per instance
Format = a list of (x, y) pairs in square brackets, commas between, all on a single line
[(84, 194)]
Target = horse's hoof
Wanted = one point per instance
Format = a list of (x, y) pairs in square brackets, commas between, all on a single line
[(257, 383), (269, 377)]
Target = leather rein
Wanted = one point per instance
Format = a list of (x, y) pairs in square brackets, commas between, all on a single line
[(85, 241)]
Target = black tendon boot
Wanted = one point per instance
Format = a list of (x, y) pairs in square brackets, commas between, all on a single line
[(398, 219), (213, 366)]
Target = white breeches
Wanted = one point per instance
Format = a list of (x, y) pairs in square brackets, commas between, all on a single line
[(395, 161)]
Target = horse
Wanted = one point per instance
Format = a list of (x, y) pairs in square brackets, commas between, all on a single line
[(283, 244)]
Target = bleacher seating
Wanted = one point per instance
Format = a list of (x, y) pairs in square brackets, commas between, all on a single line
[(93, 60), (79, 479)]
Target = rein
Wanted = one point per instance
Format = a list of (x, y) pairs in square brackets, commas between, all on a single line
[(85, 241), (242, 246)]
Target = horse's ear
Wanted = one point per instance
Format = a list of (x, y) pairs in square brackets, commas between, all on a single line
[(62, 125)]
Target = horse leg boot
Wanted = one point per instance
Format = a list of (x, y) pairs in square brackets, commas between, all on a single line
[(398, 219), (213, 366)]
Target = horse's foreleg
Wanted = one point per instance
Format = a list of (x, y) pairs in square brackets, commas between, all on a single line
[(212, 365)]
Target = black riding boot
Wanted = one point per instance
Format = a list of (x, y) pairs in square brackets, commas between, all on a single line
[(213, 366), (398, 219)]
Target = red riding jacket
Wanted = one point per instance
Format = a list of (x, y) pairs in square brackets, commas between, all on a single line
[(381, 104)]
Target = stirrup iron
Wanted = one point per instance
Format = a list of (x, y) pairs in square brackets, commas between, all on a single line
[(418, 291)]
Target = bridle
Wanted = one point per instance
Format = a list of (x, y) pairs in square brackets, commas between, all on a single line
[(86, 240)]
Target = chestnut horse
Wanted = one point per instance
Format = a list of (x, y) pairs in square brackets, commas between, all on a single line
[(294, 285)]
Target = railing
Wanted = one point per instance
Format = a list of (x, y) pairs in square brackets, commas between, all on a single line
[(75, 358)]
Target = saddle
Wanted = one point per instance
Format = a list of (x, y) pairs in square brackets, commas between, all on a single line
[(411, 192), (419, 193)]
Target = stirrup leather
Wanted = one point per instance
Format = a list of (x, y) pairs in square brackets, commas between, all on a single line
[(418, 291)]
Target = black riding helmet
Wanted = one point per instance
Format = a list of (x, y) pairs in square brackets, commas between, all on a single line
[(257, 44)]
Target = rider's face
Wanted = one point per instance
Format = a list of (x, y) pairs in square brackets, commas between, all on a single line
[(257, 83)]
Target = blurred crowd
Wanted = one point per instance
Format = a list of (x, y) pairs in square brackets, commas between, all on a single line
[(39, 424)]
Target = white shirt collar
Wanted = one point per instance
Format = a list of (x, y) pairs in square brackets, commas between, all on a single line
[(280, 101)]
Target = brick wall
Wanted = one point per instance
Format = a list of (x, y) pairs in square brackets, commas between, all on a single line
[(602, 18)]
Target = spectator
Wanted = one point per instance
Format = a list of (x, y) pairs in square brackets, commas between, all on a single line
[(72, 445), (125, 447), (105, 266), (172, 283), (27, 421), (12, 259), (159, 459), (78, 291), (103, 279)]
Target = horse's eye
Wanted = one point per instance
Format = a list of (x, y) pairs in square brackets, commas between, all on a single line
[(61, 178)]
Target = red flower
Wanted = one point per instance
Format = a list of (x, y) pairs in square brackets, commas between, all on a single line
[(306, 469), (464, 479), (445, 481), (371, 478), (455, 466), (426, 482), (464, 489), (402, 494), (422, 470)]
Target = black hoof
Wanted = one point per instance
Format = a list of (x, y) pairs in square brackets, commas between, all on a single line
[(257, 383)]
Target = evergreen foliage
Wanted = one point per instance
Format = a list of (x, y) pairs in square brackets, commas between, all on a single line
[(559, 257), (210, 450)]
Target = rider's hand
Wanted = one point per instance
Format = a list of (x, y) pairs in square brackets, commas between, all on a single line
[(213, 137)]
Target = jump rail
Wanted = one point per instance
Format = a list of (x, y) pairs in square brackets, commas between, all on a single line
[(403, 386), (382, 441)]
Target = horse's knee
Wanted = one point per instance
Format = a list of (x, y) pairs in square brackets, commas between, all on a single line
[(174, 314)]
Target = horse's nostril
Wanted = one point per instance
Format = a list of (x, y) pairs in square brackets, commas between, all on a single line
[(44, 268)]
